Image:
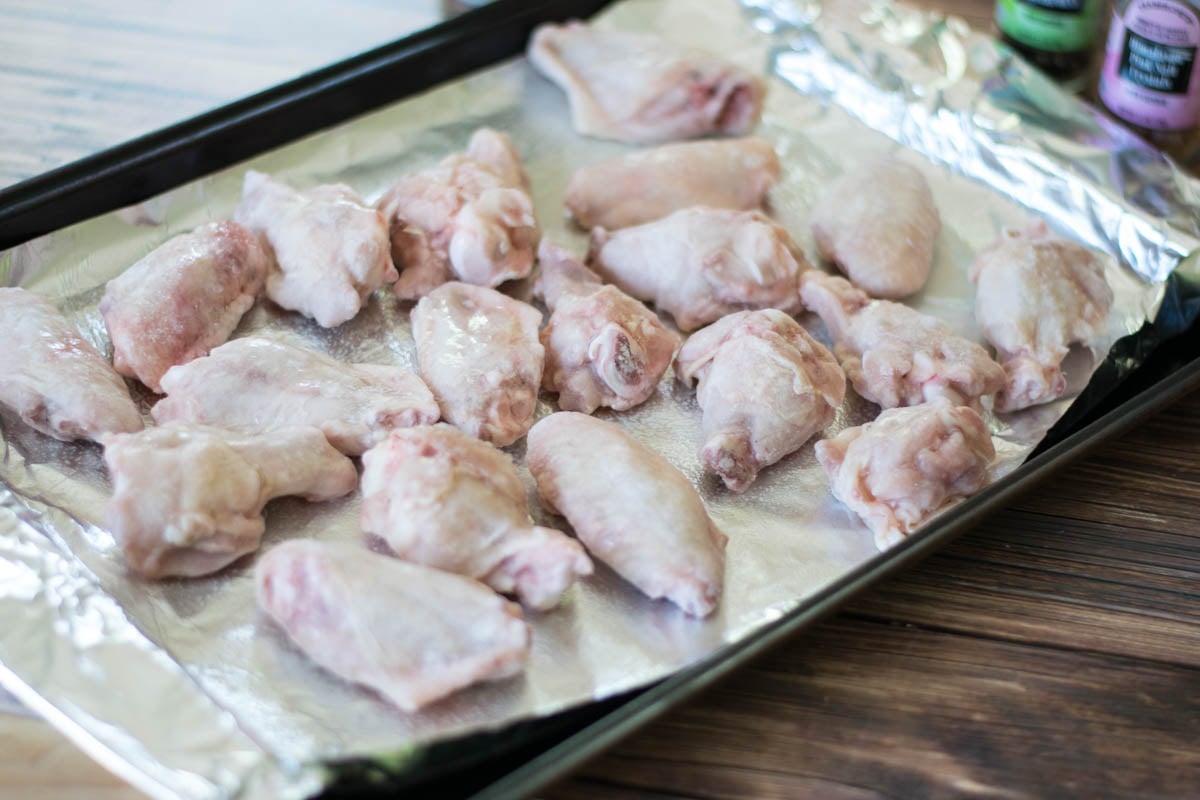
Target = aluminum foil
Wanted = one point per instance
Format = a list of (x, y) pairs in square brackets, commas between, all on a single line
[(182, 688)]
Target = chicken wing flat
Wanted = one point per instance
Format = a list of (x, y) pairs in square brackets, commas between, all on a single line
[(644, 186), (641, 88), (700, 264), (411, 633), (188, 499), (630, 507), (894, 355), (330, 249), (1036, 294), (183, 299), (909, 462), (53, 378), (765, 387), (444, 499)]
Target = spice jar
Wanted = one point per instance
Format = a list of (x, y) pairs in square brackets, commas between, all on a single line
[(1058, 36)]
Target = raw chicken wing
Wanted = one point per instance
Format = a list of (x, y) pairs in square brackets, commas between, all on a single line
[(641, 88), (254, 385), (1036, 295), (331, 250), (878, 224), (700, 264), (765, 386), (188, 499), (470, 218), (648, 185), (411, 633), (183, 299), (895, 356), (630, 507), (896, 471), (479, 352), (53, 378), (603, 348), (441, 498)]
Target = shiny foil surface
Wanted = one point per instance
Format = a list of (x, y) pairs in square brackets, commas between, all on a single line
[(181, 687)]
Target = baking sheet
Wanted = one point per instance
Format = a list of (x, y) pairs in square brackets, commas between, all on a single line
[(104, 655)]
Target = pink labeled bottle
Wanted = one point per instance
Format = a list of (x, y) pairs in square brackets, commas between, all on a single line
[(1149, 78)]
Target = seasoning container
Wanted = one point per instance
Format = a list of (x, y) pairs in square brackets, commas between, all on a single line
[(1149, 78), (1058, 36)]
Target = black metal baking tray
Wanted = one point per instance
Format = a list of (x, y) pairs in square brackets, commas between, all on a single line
[(1145, 372)]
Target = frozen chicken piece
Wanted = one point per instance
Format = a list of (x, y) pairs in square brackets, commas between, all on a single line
[(895, 356), (603, 348), (642, 88), (183, 299), (255, 385), (441, 498), (1036, 294), (897, 470), (411, 633), (765, 387), (53, 378), (878, 224), (647, 185), (330, 249), (188, 499), (479, 352), (630, 507), (700, 264), (469, 218)]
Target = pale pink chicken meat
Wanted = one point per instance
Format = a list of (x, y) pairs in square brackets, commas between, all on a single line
[(254, 385), (1036, 294), (700, 264), (642, 88), (894, 355), (478, 350), (330, 249), (878, 225), (188, 499), (413, 634), (603, 348), (630, 507), (53, 378), (896, 471), (469, 218), (765, 387), (441, 498), (183, 299), (644, 186)]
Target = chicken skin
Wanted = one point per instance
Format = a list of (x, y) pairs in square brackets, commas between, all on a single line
[(700, 264), (1036, 294), (644, 186), (479, 352), (188, 499), (470, 218), (183, 299), (411, 633), (906, 464), (878, 224), (765, 387), (630, 507), (641, 88), (895, 356), (441, 498), (331, 250), (603, 348), (53, 378), (255, 385)]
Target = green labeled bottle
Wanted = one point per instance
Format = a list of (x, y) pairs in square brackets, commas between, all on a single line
[(1058, 36)]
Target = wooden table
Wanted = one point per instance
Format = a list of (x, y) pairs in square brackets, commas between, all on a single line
[(1052, 652)]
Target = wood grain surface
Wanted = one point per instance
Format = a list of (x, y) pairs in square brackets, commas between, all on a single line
[(1052, 652)]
